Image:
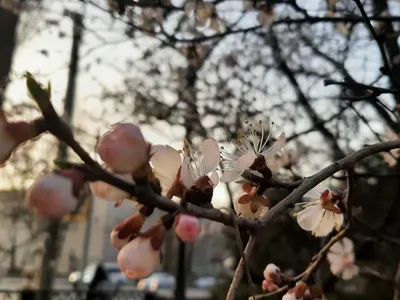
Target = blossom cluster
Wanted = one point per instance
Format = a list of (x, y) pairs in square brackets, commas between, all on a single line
[(189, 176), (341, 259)]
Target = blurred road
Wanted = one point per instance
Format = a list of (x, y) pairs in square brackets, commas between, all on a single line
[(15, 283)]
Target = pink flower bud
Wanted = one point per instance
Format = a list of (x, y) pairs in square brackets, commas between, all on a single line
[(128, 229), (106, 191), (138, 259), (12, 134), (289, 296), (271, 272), (124, 148), (187, 228), (269, 286), (55, 195), (300, 289), (118, 242)]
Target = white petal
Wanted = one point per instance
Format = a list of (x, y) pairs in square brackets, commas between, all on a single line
[(214, 178), (186, 174), (326, 225), (244, 210), (231, 175), (350, 272), (334, 257), (276, 146), (336, 263), (337, 248), (310, 217), (211, 156), (338, 220), (347, 245), (166, 160), (245, 161), (315, 193)]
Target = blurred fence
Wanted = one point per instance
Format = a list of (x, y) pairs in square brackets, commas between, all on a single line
[(71, 295)]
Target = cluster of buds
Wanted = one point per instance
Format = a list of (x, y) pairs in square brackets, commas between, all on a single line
[(128, 156), (272, 278), (304, 291), (140, 252)]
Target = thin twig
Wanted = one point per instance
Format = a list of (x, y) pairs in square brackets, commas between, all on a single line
[(240, 247), (237, 278), (369, 175), (350, 195), (381, 47), (353, 84)]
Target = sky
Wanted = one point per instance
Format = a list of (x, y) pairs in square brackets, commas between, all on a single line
[(45, 37), (45, 51)]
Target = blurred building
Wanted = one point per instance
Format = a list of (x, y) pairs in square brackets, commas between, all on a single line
[(22, 236)]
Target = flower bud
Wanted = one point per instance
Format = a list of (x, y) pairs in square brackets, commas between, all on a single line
[(55, 195), (138, 259), (12, 134), (141, 256), (271, 272), (106, 191), (124, 148), (300, 289), (268, 286), (129, 228), (289, 296), (187, 228)]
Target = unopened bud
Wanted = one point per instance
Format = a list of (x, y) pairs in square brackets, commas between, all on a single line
[(55, 195), (124, 148), (271, 272), (187, 228)]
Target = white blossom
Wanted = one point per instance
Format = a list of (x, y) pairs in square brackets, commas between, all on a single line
[(203, 162), (251, 146), (322, 215), (166, 162), (341, 259)]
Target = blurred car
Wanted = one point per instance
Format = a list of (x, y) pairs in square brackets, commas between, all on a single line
[(112, 270), (206, 282), (156, 281)]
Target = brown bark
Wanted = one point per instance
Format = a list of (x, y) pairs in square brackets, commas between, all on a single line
[(8, 27)]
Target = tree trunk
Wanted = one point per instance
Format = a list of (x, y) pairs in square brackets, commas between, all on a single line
[(8, 27)]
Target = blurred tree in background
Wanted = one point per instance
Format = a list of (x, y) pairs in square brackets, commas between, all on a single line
[(204, 68)]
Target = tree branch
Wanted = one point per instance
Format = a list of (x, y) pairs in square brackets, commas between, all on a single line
[(237, 278)]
